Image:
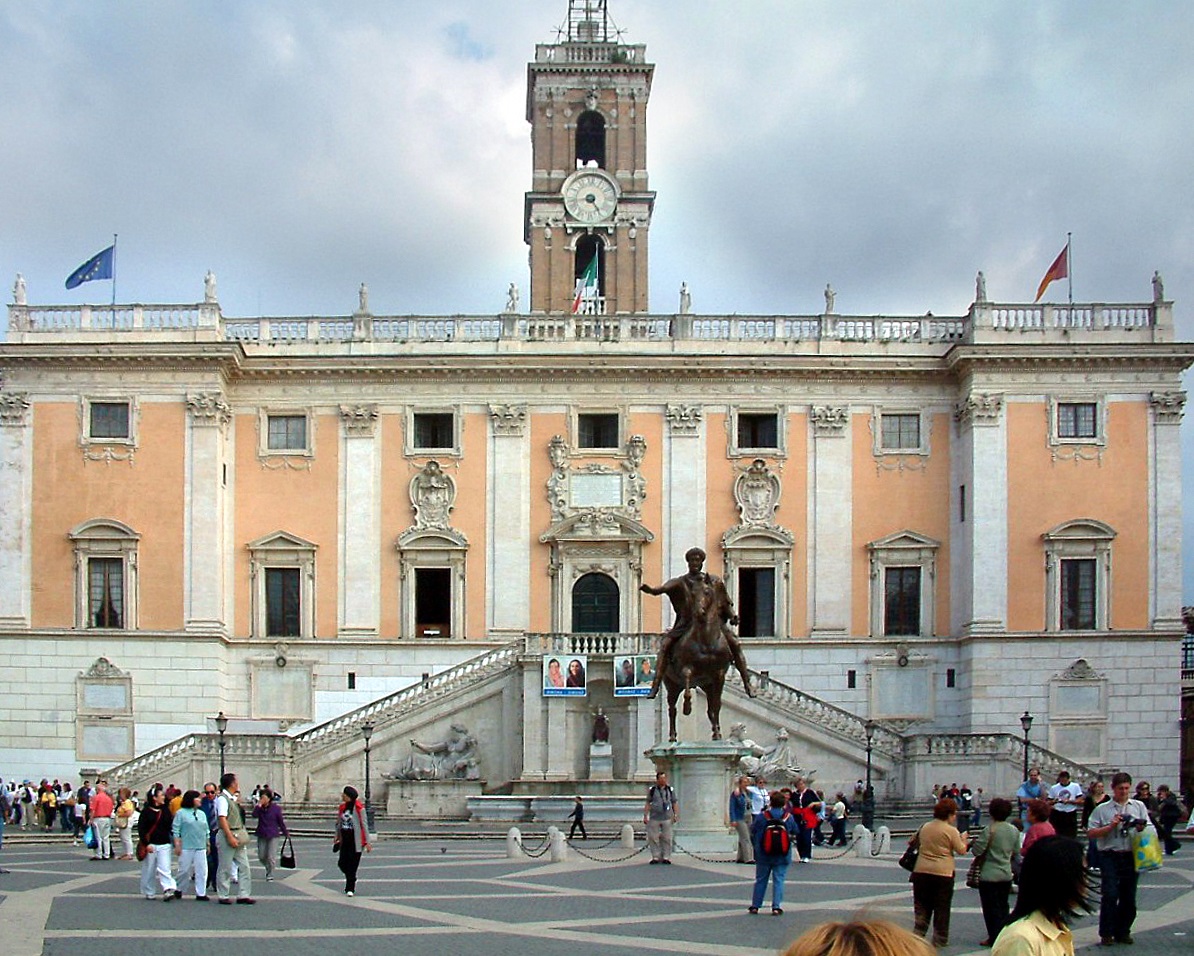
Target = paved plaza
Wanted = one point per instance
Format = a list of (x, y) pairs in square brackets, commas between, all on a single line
[(464, 896)]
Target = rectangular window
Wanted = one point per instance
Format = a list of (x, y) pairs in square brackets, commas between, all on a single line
[(433, 602), (109, 420), (758, 430), (1078, 594), (962, 503), (1076, 420), (900, 432), (756, 602), (283, 602), (352, 680), (434, 430), (597, 430), (287, 433), (901, 604), (851, 679), (951, 677), (105, 592)]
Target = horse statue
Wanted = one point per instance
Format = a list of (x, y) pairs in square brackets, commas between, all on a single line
[(700, 658), (699, 648)]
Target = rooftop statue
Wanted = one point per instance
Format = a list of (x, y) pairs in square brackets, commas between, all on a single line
[(18, 290)]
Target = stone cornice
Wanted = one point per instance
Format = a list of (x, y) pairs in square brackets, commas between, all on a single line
[(1169, 356)]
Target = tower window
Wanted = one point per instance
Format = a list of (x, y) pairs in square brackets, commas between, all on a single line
[(590, 139)]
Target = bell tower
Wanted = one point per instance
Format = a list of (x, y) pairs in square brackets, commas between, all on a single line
[(588, 212)]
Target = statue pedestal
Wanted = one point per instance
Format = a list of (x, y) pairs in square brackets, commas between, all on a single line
[(601, 761), (701, 774), (430, 799)]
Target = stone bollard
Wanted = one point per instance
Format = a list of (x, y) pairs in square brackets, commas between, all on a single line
[(862, 841), (627, 836), (513, 843), (883, 840), (559, 845)]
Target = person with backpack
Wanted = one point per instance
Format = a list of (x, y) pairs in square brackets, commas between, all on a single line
[(660, 813), (773, 832)]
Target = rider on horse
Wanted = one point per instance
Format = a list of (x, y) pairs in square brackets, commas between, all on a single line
[(680, 591)]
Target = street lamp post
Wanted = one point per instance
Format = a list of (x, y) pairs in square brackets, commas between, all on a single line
[(221, 726), (1026, 725), (367, 733), (868, 795)]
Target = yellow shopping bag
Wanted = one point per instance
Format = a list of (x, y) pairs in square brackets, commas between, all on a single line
[(1146, 849)]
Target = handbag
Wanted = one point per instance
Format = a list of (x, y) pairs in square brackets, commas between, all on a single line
[(1146, 849), (912, 854), (142, 851), (286, 858), (89, 839), (976, 868)]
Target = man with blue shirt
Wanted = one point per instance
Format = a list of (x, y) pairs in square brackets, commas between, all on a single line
[(1030, 789)]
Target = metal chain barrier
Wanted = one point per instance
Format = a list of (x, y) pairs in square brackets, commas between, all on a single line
[(539, 850), (601, 859)]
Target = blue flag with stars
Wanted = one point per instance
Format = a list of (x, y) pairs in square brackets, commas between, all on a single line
[(98, 266)]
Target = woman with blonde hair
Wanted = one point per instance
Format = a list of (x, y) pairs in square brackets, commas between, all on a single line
[(859, 938), (124, 821)]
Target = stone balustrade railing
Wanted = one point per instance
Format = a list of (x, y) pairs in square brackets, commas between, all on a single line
[(154, 763), (589, 52), (31, 323), (999, 747), (837, 720), (396, 705), (613, 644)]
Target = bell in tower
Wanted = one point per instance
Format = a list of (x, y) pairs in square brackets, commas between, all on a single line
[(588, 213)]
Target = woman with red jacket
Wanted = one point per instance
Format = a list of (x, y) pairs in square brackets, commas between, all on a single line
[(352, 838)]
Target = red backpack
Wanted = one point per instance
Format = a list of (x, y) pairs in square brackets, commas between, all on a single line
[(776, 840)]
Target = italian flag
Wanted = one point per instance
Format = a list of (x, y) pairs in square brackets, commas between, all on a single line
[(586, 285)]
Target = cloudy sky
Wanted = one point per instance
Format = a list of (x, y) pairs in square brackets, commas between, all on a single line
[(893, 149)]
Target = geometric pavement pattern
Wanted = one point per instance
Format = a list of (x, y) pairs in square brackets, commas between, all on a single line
[(445, 897)]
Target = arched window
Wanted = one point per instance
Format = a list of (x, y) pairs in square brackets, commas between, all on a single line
[(590, 300), (595, 604), (590, 139)]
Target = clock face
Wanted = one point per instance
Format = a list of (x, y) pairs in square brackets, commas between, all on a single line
[(590, 197)]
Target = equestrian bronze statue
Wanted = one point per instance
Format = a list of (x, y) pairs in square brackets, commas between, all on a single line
[(699, 647)]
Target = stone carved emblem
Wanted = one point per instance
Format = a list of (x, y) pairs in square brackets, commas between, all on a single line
[(1168, 407), (509, 419), (830, 420), (209, 408), (432, 495), (1080, 670), (756, 491), (14, 409), (596, 488), (684, 419), (979, 409), (104, 668), (359, 419)]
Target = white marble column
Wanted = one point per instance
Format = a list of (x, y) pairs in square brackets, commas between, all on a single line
[(507, 597), (985, 575), (360, 522), (684, 509), (204, 548), (830, 483), (1165, 509), (16, 488)]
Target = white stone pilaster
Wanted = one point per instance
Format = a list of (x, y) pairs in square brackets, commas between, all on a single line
[(986, 505), (16, 510), (559, 753), (1165, 509), (508, 597), (684, 484), (205, 494), (360, 522), (830, 482), (534, 733)]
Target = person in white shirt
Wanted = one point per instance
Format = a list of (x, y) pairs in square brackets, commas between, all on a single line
[(759, 796), (1110, 824), (1066, 798)]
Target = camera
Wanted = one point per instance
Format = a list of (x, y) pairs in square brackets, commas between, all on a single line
[(1128, 823)]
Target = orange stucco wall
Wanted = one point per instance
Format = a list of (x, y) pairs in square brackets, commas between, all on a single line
[(146, 494), (722, 511), (294, 499), (1043, 493), (469, 516), (543, 425), (396, 517), (889, 499)]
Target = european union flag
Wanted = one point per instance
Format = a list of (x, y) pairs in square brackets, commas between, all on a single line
[(98, 266)]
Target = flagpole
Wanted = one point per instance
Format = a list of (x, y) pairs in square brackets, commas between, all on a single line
[(1069, 263), (113, 278)]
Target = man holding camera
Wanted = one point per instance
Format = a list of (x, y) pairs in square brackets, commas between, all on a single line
[(1111, 824)]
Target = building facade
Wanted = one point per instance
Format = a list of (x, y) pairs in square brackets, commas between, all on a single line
[(931, 523)]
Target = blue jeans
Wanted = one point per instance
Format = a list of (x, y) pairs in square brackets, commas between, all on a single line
[(1117, 911), (776, 872)]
